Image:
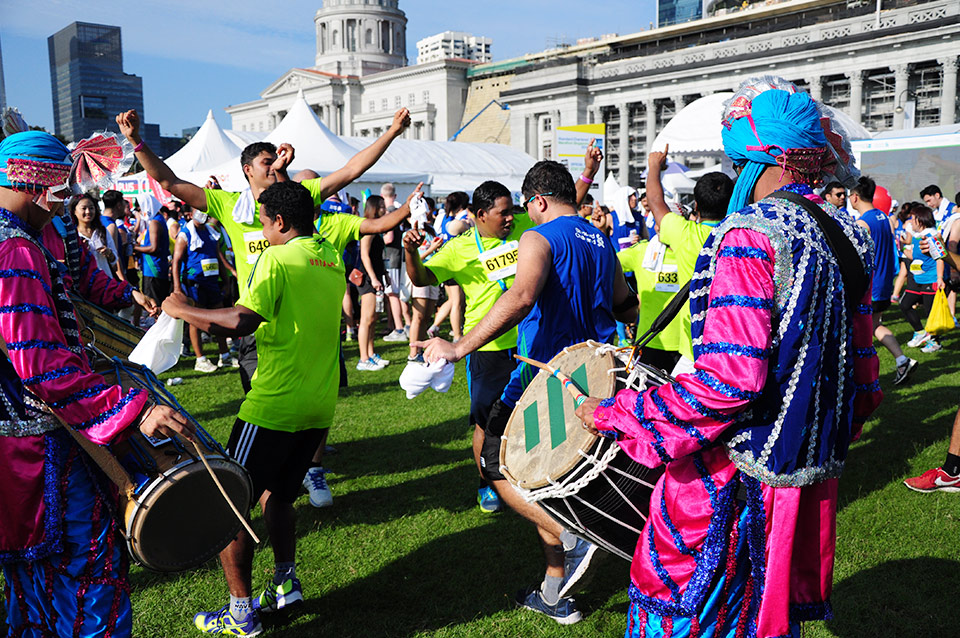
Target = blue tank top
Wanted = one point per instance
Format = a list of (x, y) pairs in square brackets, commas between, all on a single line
[(923, 268), (193, 268), (884, 253), (576, 303), (155, 265)]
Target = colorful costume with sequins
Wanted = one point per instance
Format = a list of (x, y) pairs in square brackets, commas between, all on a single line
[(741, 535), (63, 561)]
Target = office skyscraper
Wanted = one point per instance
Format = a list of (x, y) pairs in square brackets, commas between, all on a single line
[(87, 79), (677, 11), (3, 91)]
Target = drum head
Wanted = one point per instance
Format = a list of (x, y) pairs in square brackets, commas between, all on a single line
[(543, 438), (182, 519)]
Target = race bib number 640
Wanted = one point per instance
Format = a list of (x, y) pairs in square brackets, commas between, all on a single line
[(500, 262), (254, 244)]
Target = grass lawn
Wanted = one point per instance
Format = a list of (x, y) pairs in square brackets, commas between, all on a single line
[(404, 551)]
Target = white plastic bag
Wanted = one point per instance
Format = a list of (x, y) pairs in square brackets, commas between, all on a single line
[(159, 349)]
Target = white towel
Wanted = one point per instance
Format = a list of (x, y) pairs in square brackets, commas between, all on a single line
[(621, 204), (196, 243), (245, 208), (417, 377)]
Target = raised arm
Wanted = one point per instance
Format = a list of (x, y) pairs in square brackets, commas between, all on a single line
[(416, 271), (359, 163), (390, 220), (591, 164), (656, 162), (192, 194)]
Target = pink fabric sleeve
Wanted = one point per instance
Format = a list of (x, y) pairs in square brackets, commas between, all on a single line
[(49, 367), (95, 285), (678, 419)]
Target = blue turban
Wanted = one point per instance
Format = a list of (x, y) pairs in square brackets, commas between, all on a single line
[(35, 146), (783, 120)]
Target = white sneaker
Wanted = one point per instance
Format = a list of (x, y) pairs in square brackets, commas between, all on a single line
[(368, 365), (379, 362), (919, 338), (396, 335), (316, 483), (228, 360), (204, 365), (932, 346)]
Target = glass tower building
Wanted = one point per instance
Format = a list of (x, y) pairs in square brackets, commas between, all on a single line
[(677, 11), (88, 83)]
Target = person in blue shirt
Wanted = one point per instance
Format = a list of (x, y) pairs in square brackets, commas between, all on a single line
[(884, 269), (153, 254), (924, 276), (196, 273), (568, 288)]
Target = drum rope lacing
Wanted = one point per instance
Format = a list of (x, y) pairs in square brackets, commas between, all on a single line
[(637, 380)]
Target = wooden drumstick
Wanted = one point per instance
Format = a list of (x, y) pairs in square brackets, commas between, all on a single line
[(226, 497), (578, 396)]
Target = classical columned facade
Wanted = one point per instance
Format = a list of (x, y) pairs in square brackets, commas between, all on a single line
[(850, 60)]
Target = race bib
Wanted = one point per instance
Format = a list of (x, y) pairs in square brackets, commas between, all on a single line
[(254, 244), (210, 267), (668, 279), (500, 262), (916, 267)]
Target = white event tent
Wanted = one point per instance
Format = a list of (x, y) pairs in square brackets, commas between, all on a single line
[(456, 166)]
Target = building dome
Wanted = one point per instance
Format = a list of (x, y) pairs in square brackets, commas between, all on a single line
[(360, 37)]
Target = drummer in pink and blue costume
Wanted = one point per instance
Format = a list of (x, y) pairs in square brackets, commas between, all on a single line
[(63, 562), (741, 535)]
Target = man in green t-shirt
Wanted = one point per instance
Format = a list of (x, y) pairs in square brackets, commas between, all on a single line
[(263, 165), (686, 236), (483, 263), (655, 267), (286, 412)]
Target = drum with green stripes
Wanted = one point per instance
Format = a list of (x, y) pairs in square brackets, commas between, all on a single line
[(584, 481), (543, 438)]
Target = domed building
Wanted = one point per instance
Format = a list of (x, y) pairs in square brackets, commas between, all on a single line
[(360, 78)]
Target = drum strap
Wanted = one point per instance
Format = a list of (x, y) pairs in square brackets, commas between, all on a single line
[(107, 462), (854, 276), (665, 317)]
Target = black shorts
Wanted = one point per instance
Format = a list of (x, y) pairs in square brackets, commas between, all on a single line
[(204, 293), (276, 460), (879, 305), (492, 433), (156, 288), (366, 287), (487, 375)]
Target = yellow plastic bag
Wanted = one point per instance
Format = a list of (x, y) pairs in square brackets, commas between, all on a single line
[(940, 319)]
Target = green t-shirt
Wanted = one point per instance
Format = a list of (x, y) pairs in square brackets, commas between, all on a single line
[(686, 238), (459, 259), (293, 287), (656, 286), (339, 228), (247, 239)]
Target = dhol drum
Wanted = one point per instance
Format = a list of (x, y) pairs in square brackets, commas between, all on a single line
[(112, 335), (582, 480), (176, 518)]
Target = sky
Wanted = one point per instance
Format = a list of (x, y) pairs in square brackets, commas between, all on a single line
[(194, 58)]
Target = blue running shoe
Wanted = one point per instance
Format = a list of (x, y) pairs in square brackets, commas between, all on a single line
[(279, 597), (564, 612), (576, 565), (489, 500), (223, 623)]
